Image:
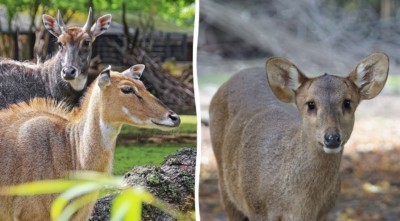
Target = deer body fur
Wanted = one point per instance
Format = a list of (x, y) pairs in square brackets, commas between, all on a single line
[(43, 140), (277, 161)]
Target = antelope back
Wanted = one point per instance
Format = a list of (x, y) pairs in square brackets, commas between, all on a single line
[(75, 46)]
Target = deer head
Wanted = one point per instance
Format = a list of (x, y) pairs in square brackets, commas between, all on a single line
[(327, 103), (75, 46)]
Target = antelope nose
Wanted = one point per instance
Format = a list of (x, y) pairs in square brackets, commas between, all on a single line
[(69, 73), (176, 120), (332, 140)]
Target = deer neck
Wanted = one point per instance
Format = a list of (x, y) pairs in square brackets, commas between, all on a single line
[(308, 157), (94, 136)]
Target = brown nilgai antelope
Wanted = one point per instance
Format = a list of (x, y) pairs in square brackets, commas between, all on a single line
[(280, 161), (42, 139), (64, 76)]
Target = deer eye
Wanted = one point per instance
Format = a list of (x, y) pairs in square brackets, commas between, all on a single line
[(347, 104), (60, 45), (311, 105), (127, 90)]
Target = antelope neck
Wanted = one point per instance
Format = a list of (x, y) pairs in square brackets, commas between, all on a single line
[(97, 137)]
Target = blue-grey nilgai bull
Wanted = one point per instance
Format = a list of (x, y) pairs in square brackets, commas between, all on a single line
[(62, 77)]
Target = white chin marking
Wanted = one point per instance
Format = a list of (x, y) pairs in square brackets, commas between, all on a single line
[(332, 151), (78, 83), (166, 122), (132, 118)]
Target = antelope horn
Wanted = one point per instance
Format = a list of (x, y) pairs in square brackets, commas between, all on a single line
[(89, 21), (60, 21)]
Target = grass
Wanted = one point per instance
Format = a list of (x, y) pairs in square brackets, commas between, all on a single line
[(126, 157)]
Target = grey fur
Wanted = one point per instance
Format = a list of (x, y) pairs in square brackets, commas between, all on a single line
[(22, 81), (271, 163)]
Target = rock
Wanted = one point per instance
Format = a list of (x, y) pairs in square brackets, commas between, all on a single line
[(173, 183)]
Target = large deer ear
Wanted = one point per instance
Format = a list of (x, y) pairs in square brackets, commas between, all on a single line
[(284, 78), (101, 25), (105, 77), (370, 75), (52, 25), (135, 71)]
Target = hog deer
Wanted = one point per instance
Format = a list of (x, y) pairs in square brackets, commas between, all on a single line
[(278, 161), (64, 76), (43, 140)]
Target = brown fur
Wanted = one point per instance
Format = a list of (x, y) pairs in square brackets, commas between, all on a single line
[(270, 155), (42, 140)]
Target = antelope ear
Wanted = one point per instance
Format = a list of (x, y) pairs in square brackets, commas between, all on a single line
[(104, 77), (52, 25), (284, 78), (370, 75), (101, 25), (135, 71)]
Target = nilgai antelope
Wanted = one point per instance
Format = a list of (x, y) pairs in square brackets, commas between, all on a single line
[(43, 140), (64, 76), (279, 161)]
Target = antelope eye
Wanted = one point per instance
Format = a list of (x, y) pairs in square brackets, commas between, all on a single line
[(127, 90), (60, 45), (311, 105), (347, 104)]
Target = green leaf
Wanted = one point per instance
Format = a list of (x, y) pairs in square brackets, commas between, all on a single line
[(127, 205), (78, 203), (76, 191), (39, 187)]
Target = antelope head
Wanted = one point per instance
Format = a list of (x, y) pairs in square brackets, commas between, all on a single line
[(75, 46), (125, 99)]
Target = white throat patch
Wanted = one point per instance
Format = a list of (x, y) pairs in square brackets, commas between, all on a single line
[(78, 83), (108, 134)]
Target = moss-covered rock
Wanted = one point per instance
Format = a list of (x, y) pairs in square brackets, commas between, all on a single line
[(173, 182)]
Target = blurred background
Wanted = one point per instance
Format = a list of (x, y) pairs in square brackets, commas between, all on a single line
[(319, 36), (157, 33)]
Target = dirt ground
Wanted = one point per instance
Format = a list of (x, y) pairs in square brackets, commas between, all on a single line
[(370, 169)]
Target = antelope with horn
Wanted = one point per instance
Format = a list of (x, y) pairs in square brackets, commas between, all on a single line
[(64, 76)]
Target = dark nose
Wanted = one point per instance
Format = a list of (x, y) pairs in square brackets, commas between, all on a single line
[(175, 118), (69, 73), (332, 140)]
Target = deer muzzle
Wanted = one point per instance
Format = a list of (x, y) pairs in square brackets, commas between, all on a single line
[(69, 73), (332, 142)]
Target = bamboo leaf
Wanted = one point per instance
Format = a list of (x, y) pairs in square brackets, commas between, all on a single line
[(38, 187), (78, 203), (76, 191)]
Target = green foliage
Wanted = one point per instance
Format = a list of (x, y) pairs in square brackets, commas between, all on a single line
[(178, 12), (86, 186)]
